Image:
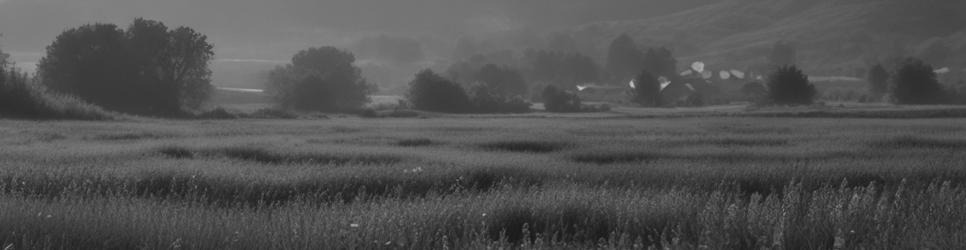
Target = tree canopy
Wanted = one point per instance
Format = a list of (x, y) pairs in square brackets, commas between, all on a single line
[(788, 85), (647, 90), (624, 59), (431, 92), (148, 69), (321, 79), (915, 82)]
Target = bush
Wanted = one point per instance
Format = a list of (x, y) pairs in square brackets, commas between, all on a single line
[(147, 69), (487, 100), (916, 83), (431, 92), (20, 98), (647, 90), (559, 101), (320, 79), (789, 86)]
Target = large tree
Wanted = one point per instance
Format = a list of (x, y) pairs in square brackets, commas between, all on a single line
[(915, 83), (647, 90), (320, 79), (788, 85), (147, 69), (661, 62), (431, 92), (624, 59)]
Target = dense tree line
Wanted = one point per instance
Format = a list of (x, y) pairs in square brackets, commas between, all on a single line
[(146, 69), (431, 92)]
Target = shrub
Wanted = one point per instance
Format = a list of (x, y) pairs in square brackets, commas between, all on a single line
[(147, 69), (20, 98), (789, 86), (915, 83), (320, 79), (431, 92), (647, 90), (559, 101), (487, 100)]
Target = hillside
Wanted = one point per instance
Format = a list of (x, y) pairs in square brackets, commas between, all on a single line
[(833, 36)]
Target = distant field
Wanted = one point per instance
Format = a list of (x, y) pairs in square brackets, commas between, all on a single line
[(703, 182)]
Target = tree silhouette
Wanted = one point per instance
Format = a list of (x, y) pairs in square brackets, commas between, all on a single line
[(915, 83), (647, 90), (624, 59), (320, 79), (789, 86), (559, 101), (431, 92), (661, 62), (147, 69)]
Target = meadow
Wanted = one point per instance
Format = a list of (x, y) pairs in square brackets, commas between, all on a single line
[(470, 182)]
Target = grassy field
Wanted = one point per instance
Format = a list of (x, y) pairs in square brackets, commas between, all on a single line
[(485, 182)]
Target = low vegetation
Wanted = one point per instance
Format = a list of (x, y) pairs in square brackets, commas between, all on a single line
[(720, 183), (21, 98)]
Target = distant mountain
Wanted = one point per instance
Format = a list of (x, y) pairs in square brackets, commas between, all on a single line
[(833, 36)]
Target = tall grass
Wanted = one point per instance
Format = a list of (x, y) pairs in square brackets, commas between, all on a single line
[(447, 183), (871, 217), (22, 98)]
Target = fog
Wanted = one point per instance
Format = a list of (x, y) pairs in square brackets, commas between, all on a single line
[(238, 25)]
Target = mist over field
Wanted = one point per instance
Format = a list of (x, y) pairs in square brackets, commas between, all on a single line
[(472, 124)]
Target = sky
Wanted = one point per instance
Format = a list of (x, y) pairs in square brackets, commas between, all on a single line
[(238, 27)]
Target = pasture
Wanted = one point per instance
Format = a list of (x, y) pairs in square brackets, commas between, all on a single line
[(455, 182)]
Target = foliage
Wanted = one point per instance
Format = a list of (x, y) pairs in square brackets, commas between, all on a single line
[(915, 83), (320, 79), (624, 59), (661, 62), (22, 98), (788, 85), (486, 99), (431, 92), (647, 90), (878, 80), (559, 101), (147, 69)]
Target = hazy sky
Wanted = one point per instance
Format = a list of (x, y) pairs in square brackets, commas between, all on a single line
[(234, 25)]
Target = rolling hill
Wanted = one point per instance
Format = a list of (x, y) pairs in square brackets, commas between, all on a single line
[(833, 36)]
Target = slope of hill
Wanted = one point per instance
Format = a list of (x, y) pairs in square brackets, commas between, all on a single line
[(833, 36)]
